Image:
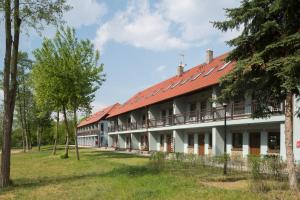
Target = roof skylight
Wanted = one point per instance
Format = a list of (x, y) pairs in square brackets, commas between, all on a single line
[(196, 76), (184, 81), (175, 84), (168, 87), (209, 71), (155, 92), (224, 66)]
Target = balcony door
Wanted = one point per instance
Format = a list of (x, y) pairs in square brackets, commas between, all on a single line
[(201, 144), (254, 143), (128, 142), (169, 143)]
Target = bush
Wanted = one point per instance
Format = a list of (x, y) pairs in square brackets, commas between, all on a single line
[(273, 166), (158, 159)]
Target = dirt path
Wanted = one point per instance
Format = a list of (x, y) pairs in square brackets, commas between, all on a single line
[(241, 184)]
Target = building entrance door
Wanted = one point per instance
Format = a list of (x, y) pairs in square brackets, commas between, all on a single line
[(254, 143), (201, 144), (169, 143)]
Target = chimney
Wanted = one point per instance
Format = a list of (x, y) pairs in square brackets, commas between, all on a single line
[(180, 69), (209, 55)]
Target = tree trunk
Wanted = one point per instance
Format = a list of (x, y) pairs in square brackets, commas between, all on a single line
[(68, 132), (56, 134), (291, 168), (38, 139), (21, 120), (9, 86), (25, 115), (75, 134), (29, 137)]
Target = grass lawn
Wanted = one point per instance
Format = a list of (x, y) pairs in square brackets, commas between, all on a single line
[(108, 175)]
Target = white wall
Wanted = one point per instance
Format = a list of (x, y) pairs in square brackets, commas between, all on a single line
[(296, 131), (179, 141)]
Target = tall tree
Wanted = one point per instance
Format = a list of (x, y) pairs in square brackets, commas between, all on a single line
[(66, 76), (29, 13), (24, 97), (268, 60)]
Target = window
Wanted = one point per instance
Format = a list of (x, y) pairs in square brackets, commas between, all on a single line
[(142, 140), (191, 140), (193, 107), (161, 140), (237, 140), (209, 71), (144, 119), (209, 140), (102, 127), (170, 115), (163, 113), (203, 106), (274, 142)]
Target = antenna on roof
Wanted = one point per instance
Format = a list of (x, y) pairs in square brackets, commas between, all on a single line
[(180, 68), (182, 60)]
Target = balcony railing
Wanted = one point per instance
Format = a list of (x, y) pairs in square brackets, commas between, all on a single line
[(88, 132), (233, 111)]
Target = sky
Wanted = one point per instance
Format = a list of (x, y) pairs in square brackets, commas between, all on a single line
[(140, 41)]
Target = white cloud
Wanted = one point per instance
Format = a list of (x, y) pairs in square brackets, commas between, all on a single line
[(139, 27), (169, 24), (85, 13), (97, 106), (160, 68)]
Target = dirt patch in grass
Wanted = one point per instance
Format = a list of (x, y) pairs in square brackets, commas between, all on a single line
[(229, 185), (9, 195)]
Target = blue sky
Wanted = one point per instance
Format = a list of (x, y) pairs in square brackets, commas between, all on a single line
[(140, 40)]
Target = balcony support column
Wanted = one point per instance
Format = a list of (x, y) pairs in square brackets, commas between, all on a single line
[(196, 143), (263, 142), (217, 141), (152, 141), (245, 144), (282, 142), (179, 141)]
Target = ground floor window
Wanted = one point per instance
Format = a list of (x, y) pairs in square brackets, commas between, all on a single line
[(142, 140), (191, 140), (274, 142), (161, 140), (209, 140), (237, 141)]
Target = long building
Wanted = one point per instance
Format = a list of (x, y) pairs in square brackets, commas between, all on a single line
[(93, 131), (180, 114)]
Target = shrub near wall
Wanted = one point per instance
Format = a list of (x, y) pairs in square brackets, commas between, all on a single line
[(267, 173)]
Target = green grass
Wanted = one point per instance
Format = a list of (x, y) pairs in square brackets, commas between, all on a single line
[(108, 175)]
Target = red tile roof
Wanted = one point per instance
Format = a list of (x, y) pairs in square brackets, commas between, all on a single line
[(196, 78), (102, 114)]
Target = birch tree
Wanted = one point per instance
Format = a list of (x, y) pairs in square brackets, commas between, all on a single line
[(18, 14)]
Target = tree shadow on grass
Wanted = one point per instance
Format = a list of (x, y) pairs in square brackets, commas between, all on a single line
[(123, 170), (105, 154)]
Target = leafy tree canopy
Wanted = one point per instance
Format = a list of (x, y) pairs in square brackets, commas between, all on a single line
[(267, 52)]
